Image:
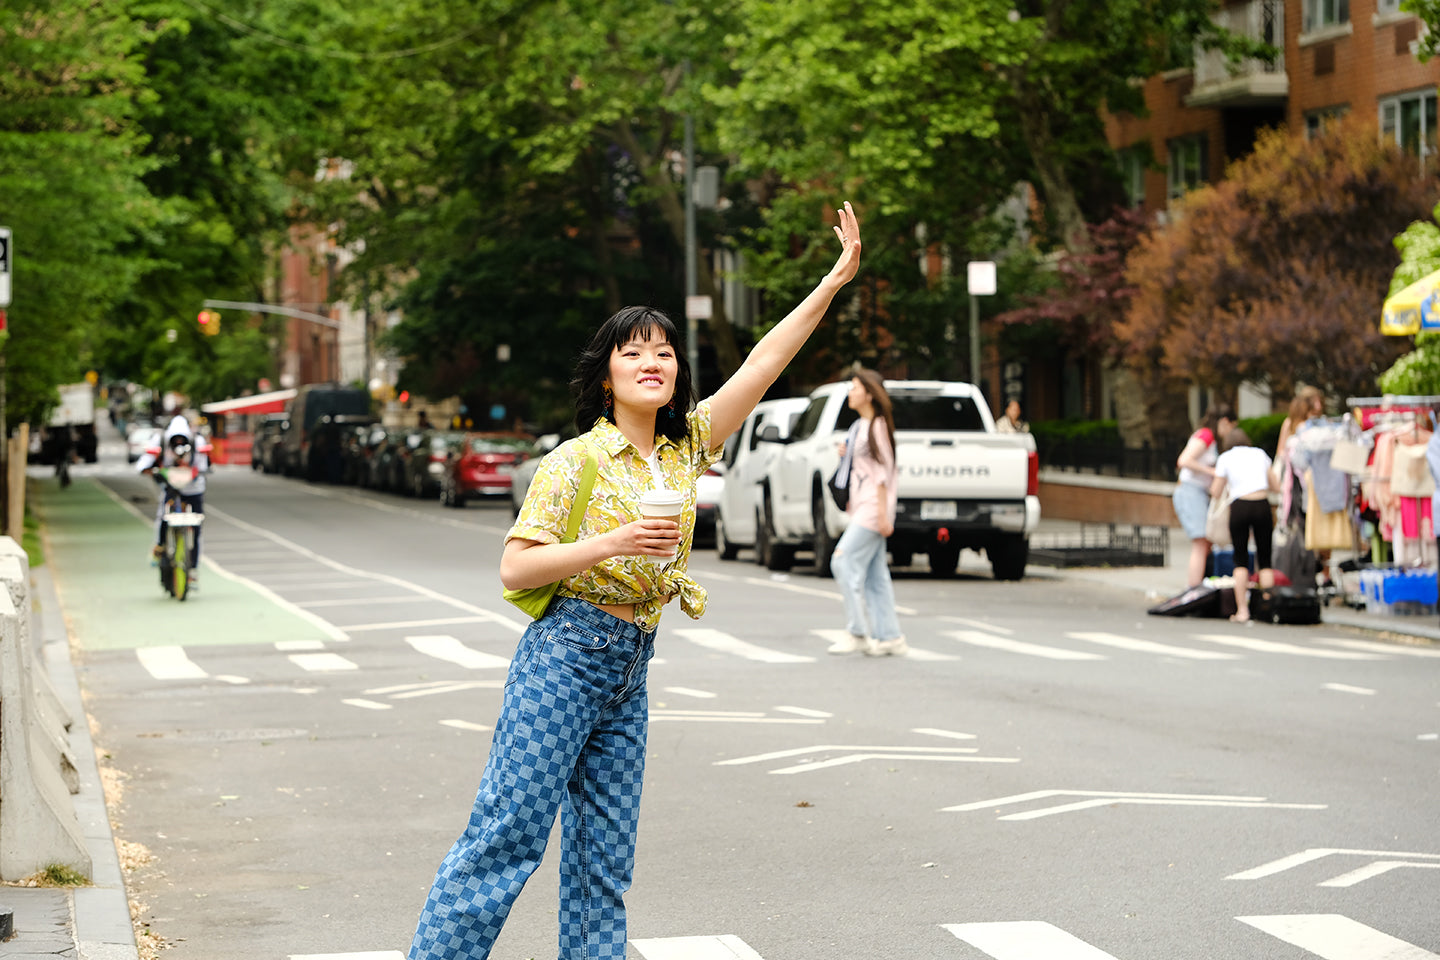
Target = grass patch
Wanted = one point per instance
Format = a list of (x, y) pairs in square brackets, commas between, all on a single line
[(30, 539), (56, 875)]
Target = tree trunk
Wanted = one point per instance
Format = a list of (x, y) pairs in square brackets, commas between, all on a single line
[(667, 195)]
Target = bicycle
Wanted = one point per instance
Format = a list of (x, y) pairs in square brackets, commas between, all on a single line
[(181, 528)]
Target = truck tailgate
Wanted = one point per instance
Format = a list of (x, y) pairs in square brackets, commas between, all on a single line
[(963, 466)]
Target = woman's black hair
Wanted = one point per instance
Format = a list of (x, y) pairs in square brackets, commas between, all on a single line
[(592, 369)]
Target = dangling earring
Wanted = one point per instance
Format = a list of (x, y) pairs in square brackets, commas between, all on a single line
[(609, 400), (671, 408)]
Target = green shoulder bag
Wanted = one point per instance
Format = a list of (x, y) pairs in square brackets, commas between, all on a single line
[(536, 600)]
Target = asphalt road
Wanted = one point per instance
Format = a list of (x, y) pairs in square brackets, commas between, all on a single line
[(1051, 775)]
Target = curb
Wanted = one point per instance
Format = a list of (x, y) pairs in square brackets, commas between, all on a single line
[(103, 930)]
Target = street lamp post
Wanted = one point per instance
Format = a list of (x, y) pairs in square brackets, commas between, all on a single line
[(980, 275)]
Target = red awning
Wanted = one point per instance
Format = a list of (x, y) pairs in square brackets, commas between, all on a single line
[(272, 402)]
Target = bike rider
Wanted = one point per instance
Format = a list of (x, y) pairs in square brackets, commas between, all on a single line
[(179, 447)]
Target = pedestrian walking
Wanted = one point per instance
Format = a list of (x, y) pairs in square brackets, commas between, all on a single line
[(859, 562), (572, 729)]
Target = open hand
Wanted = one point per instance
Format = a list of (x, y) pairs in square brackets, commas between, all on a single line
[(848, 230)]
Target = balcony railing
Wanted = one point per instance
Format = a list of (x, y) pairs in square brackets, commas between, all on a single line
[(1251, 82)]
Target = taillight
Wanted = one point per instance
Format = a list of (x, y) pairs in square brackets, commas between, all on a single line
[(1032, 483), (437, 458)]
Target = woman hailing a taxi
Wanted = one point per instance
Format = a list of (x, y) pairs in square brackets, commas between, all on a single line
[(572, 729)]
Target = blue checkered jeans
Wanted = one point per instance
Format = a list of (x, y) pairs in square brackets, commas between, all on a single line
[(572, 729)]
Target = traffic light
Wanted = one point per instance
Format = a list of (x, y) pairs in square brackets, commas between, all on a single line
[(209, 322)]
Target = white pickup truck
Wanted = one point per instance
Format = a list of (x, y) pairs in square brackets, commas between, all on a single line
[(962, 485)]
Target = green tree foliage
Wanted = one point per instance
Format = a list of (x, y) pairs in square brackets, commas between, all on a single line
[(516, 186), (70, 184), (1272, 275), (234, 131), (1417, 373)]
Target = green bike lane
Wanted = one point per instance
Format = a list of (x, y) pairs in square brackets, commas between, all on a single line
[(98, 550)]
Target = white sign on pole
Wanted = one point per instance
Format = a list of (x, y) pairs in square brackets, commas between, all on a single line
[(982, 278), (4, 266), (698, 308)]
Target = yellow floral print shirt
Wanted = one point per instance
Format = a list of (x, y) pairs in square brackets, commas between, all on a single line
[(623, 475)]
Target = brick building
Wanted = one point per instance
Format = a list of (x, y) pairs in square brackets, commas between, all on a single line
[(1337, 57)]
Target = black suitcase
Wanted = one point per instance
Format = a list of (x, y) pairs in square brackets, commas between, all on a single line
[(1201, 601), (1295, 605)]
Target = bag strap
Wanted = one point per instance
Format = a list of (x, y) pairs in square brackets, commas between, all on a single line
[(582, 495)]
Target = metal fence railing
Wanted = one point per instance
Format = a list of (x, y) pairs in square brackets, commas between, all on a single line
[(1152, 461)]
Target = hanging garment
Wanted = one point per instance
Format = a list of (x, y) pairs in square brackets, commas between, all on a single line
[(1325, 530)]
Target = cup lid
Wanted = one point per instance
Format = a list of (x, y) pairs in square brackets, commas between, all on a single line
[(662, 496)]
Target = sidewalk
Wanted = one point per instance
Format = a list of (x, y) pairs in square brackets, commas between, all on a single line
[(83, 923), (1157, 583), (93, 923)]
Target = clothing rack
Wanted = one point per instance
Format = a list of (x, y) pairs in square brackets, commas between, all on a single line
[(1371, 408)]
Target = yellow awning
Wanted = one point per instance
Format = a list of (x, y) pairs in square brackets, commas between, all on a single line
[(1412, 309)]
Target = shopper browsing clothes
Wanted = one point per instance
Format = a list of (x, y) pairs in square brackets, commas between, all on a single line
[(1192, 494), (1242, 473), (570, 739)]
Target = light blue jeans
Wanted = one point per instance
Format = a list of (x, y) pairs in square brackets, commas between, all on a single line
[(863, 575)]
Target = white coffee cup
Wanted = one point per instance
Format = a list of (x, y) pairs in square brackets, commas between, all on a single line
[(662, 505)]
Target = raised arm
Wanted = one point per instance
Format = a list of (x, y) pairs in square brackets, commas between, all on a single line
[(733, 402)]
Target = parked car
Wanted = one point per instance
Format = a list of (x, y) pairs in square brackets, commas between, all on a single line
[(367, 441), (391, 458), (746, 461), (141, 433), (707, 501), (426, 464), (263, 439), (961, 484), (328, 441), (520, 481), (313, 403), (482, 465)]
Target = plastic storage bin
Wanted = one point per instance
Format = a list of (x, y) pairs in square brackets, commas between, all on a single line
[(1398, 591)]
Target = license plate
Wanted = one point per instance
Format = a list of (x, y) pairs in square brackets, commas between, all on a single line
[(938, 510)]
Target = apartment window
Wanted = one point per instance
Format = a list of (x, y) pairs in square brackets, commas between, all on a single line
[(1132, 162), (1325, 13), (1386, 8), (1187, 165), (1318, 121), (1409, 121)]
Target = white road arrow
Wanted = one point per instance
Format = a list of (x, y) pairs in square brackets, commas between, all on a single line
[(1333, 937), (1103, 798), (1385, 861), (856, 754)]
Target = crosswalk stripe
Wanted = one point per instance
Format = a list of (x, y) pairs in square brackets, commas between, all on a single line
[(695, 948), (1335, 937), (464, 725), (979, 639), (322, 662), (449, 648), (401, 624), (832, 635), (1150, 646), (169, 663), (722, 642), (1371, 646), (370, 955), (1025, 940), (367, 704), (1274, 646)]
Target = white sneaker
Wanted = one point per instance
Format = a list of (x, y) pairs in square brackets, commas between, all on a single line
[(848, 644), (889, 648)]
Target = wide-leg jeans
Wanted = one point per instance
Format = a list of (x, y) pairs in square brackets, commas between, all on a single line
[(571, 736), (863, 575)]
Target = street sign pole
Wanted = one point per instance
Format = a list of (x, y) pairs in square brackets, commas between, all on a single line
[(980, 275), (6, 256)]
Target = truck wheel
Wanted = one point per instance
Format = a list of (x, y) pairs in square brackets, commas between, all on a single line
[(772, 555), (901, 558), (1008, 557), (723, 547), (943, 559), (824, 543)]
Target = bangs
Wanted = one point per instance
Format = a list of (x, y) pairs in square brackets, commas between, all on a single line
[(644, 326)]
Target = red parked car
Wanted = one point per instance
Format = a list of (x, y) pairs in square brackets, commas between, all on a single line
[(482, 465)]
